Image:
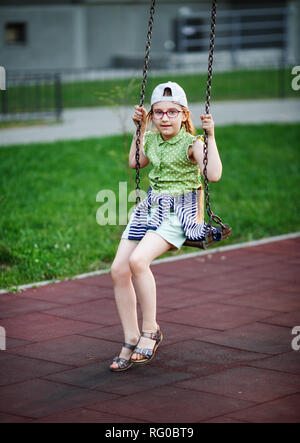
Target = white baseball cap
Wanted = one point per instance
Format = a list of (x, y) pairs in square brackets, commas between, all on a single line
[(177, 94)]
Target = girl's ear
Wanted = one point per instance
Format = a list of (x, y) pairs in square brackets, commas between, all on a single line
[(186, 115)]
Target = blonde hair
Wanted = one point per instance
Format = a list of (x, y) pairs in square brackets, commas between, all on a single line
[(189, 126)]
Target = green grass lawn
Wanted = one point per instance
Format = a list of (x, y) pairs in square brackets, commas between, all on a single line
[(48, 206), (231, 85)]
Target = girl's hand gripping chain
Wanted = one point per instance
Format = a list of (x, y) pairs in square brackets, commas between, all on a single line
[(208, 124), (139, 115)]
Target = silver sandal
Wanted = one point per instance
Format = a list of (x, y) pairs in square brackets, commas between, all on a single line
[(123, 363), (146, 352)]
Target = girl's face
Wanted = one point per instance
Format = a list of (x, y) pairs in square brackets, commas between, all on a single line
[(167, 124)]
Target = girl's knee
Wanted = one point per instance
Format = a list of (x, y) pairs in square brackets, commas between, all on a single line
[(120, 271), (137, 263)]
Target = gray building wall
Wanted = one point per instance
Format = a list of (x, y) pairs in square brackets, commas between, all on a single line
[(51, 37), (91, 33), (88, 34), (122, 29)]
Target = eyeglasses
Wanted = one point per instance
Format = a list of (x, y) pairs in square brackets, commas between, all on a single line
[(171, 113)]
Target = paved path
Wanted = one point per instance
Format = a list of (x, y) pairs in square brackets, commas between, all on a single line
[(98, 122), (226, 356)]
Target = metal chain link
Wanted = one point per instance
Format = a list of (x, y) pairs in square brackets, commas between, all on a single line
[(211, 215), (142, 97)]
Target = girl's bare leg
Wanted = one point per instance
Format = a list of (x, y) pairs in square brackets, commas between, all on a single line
[(150, 247), (125, 295)]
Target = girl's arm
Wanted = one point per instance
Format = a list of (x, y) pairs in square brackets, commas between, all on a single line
[(214, 164), (144, 161), (140, 114)]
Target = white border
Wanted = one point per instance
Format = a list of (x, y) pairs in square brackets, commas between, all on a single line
[(262, 241)]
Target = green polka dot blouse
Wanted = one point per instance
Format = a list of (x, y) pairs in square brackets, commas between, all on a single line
[(172, 171)]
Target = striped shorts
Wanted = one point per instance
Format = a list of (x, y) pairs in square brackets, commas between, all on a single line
[(170, 229)]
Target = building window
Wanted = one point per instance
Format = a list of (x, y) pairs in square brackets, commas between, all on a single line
[(15, 33)]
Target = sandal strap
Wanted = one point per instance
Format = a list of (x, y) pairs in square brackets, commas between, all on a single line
[(144, 351), (122, 362), (153, 335), (129, 346)]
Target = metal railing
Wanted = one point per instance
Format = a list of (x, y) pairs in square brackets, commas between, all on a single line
[(31, 96), (236, 30), (37, 95)]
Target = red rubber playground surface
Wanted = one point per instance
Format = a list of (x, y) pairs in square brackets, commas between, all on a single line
[(227, 353)]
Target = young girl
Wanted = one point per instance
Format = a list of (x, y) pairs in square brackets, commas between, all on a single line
[(161, 221)]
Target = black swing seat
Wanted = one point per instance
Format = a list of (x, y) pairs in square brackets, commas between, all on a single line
[(225, 232)]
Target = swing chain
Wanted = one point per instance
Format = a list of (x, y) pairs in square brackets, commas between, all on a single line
[(211, 215), (142, 98)]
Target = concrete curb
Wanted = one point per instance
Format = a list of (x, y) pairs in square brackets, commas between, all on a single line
[(168, 259)]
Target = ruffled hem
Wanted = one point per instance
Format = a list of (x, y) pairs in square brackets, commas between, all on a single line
[(201, 137)]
